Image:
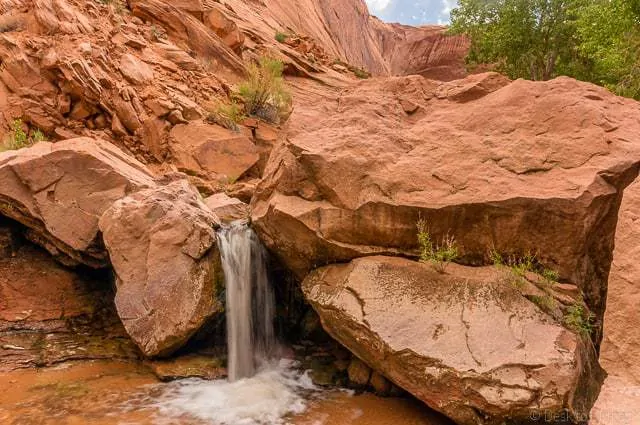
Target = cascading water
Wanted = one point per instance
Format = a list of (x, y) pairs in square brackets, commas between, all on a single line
[(250, 303), (260, 390)]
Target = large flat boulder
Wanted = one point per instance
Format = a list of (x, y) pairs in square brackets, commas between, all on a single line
[(162, 246), (517, 167), (467, 343), (59, 191)]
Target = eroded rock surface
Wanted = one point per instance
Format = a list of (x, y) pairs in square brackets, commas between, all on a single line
[(621, 348), (514, 167), (466, 343), (59, 191), (162, 246), (619, 401), (50, 314)]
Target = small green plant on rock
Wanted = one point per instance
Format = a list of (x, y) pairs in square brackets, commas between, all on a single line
[(546, 302), (550, 275), (440, 255), (361, 73), (496, 258), (579, 319), (281, 37), (264, 92), (17, 138), (522, 265), (38, 136), (227, 115)]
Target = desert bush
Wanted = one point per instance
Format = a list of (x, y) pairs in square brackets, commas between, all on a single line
[(227, 115), (361, 73), (281, 37), (546, 302), (264, 92), (440, 255), (18, 138), (579, 319)]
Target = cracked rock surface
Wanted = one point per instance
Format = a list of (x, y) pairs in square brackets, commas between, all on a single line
[(466, 343)]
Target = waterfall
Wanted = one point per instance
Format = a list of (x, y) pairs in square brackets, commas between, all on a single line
[(250, 302)]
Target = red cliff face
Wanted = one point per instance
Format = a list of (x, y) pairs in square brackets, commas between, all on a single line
[(346, 30)]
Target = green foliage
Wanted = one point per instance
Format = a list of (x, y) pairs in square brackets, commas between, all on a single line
[(361, 73), (440, 255), (550, 275), (227, 115), (524, 38), (546, 302), (610, 35), (281, 37), (38, 136), (579, 319), (592, 40), (496, 258), (18, 138), (522, 265), (264, 92)]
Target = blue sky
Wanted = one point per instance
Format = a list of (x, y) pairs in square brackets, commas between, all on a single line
[(413, 12)]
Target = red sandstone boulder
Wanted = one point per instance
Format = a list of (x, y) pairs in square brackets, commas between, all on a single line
[(59, 191), (162, 246), (516, 167), (225, 28), (211, 151), (467, 343), (227, 209)]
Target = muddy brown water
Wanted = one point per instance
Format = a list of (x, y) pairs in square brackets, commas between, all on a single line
[(108, 392)]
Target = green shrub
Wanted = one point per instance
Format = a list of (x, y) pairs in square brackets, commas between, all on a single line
[(522, 265), (264, 92), (227, 115), (281, 37), (546, 302), (38, 136), (496, 258), (18, 139), (579, 319), (361, 73), (440, 255), (550, 275)]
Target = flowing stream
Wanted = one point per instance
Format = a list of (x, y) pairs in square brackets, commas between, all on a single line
[(261, 390)]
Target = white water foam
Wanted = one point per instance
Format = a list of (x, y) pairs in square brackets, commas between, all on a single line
[(259, 391), (267, 398)]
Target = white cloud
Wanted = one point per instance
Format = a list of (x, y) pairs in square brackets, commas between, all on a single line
[(377, 5), (445, 13)]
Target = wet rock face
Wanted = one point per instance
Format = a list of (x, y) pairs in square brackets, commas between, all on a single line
[(50, 314), (59, 191), (162, 246), (466, 343), (514, 167)]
